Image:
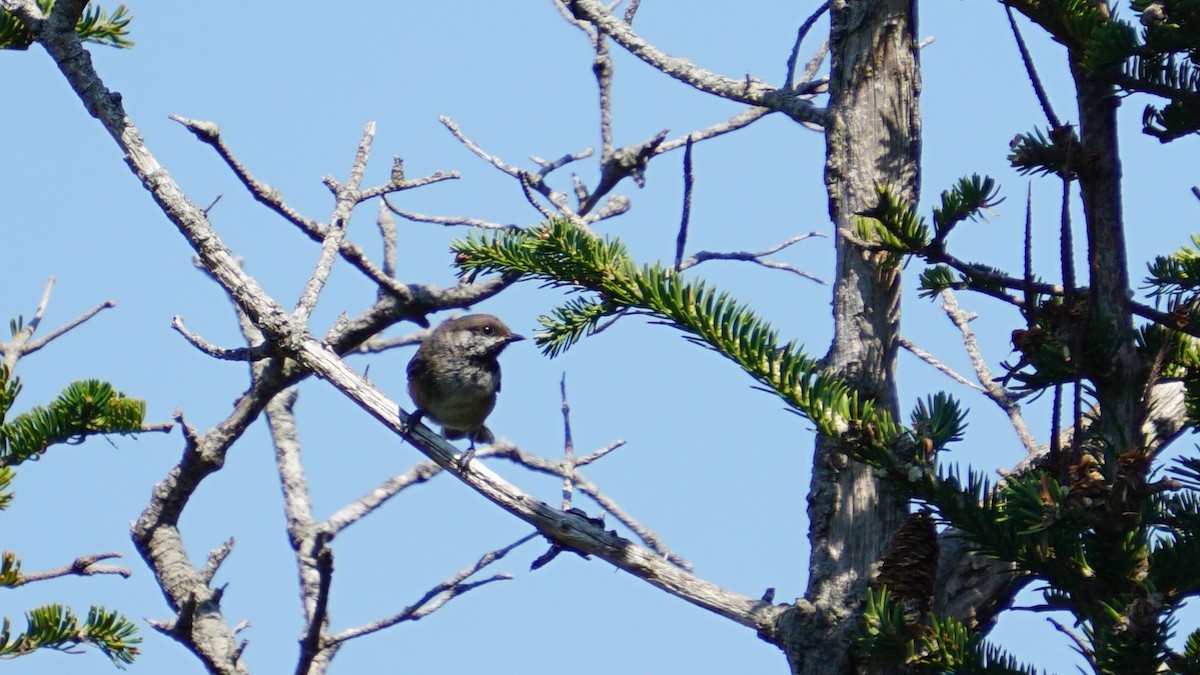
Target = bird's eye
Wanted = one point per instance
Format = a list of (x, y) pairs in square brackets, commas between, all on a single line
[(487, 330)]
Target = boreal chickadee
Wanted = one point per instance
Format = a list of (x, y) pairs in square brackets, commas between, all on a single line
[(454, 376)]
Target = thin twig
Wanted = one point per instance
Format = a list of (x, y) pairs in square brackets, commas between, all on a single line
[(738, 121), (801, 33), (986, 279), (998, 394), (1027, 258), (84, 566), (1031, 71), (595, 455), (378, 344), (34, 345), (454, 221), (631, 10), (745, 90), (260, 351), (1079, 643), (757, 258), (615, 205), (439, 595), (38, 313), (933, 361), (689, 179), (211, 204), (210, 134), (158, 427), (568, 463), (392, 186), (555, 468), (387, 232), (312, 644), (347, 199), (546, 167), (214, 560), (479, 152), (417, 474), (270, 197), (528, 189), (1066, 239)]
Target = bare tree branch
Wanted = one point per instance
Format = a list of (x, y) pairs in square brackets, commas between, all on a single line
[(215, 558), (593, 456), (347, 199), (631, 10), (933, 361), (210, 133), (379, 344), (530, 181), (23, 344), (756, 258), (789, 79), (689, 181), (991, 388), (568, 462), (546, 167), (558, 468), (156, 531), (83, 566), (454, 221), (260, 351), (749, 90), (738, 121), (436, 597)]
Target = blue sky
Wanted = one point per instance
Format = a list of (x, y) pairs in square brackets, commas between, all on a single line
[(718, 469)]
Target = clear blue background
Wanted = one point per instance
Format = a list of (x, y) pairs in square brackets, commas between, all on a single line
[(718, 469)]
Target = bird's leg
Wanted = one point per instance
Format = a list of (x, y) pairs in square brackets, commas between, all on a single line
[(465, 458), (415, 418)]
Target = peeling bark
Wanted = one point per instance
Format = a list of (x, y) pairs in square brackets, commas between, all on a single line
[(873, 139)]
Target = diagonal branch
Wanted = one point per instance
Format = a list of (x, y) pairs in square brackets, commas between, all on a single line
[(436, 597), (749, 90), (570, 472), (789, 79), (991, 388), (210, 134), (347, 199), (83, 566), (756, 258), (156, 532), (260, 351), (23, 344)]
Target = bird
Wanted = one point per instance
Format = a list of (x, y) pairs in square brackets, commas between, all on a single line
[(454, 377)]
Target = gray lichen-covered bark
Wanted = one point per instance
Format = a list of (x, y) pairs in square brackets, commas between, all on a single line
[(873, 138)]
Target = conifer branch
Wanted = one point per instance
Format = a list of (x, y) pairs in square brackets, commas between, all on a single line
[(565, 255)]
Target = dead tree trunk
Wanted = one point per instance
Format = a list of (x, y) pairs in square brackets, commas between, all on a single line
[(873, 139)]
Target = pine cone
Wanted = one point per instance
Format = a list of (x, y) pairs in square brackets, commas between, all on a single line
[(909, 567)]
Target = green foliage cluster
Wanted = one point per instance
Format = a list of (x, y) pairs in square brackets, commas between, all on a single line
[(1158, 58), (95, 25), (942, 646), (1123, 579), (1112, 547), (57, 627), (562, 254), (83, 408)]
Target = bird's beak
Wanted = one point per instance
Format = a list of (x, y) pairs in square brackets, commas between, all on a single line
[(515, 338)]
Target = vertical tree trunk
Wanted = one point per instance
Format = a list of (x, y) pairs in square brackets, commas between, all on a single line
[(873, 138), (1110, 319)]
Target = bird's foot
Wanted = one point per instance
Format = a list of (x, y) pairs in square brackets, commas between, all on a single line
[(465, 458)]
